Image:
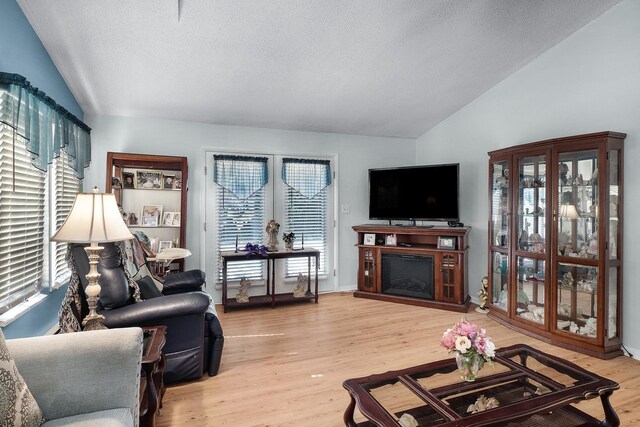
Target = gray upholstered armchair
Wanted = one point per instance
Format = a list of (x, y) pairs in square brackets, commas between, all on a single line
[(88, 378)]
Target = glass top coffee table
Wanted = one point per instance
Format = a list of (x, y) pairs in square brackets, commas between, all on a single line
[(531, 388)]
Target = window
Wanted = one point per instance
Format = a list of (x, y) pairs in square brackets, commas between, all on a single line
[(33, 204), (240, 209), (246, 196), (306, 208), (22, 215), (64, 187)]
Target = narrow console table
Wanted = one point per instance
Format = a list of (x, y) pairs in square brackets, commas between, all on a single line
[(532, 388), (423, 266), (270, 296)]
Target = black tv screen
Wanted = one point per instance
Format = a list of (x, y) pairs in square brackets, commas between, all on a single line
[(414, 193)]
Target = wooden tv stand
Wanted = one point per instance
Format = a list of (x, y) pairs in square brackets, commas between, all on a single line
[(444, 247)]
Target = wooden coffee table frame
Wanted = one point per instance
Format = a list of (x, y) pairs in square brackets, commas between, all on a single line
[(557, 399)]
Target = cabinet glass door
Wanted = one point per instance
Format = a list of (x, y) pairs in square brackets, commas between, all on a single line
[(577, 299), (500, 204), (578, 204), (531, 286), (532, 198), (614, 189), (500, 281)]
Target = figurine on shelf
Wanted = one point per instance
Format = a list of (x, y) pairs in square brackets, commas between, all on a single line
[(563, 171), (243, 293), (300, 291), (567, 280), (483, 294), (536, 243), (503, 297), (272, 230)]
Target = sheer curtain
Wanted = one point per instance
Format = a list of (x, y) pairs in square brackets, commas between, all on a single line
[(45, 126)]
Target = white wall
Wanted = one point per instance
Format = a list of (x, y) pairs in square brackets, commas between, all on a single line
[(354, 155), (587, 83)]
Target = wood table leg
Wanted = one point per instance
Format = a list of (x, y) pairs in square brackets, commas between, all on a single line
[(610, 417), (224, 284), (348, 414), (273, 283), (317, 271)]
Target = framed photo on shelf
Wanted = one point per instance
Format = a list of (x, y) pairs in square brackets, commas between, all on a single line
[(445, 242), (165, 244), (176, 219), (177, 184), (116, 184), (167, 218), (132, 219), (391, 240), (369, 239), (151, 215), (153, 244), (128, 180), (167, 181), (149, 180)]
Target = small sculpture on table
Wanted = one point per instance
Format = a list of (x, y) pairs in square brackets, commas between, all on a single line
[(243, 292), (483, 294), (272, 230), (300, 291)]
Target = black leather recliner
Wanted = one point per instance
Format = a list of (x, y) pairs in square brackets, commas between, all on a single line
[(194, 338)]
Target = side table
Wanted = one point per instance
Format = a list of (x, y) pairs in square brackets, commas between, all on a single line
[(151, 384)]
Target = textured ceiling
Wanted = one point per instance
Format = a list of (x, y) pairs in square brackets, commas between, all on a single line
[(366, 67)]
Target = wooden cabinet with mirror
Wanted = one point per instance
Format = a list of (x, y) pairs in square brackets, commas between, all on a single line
[(555, 241), (152, 191)]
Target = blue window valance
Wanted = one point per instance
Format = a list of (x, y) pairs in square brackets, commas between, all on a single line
[(307, 176), (241, 175), (45, 126)]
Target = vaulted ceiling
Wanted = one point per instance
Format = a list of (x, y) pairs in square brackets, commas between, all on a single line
[(366, 67)]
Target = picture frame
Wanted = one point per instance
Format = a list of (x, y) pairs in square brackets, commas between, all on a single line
[(176, 219), (116, 184), (128, 180), (167, 181), (167, 219), (369, 239), (149, 180), (177, 184), (446, 242), (165, 244), (133, 219), (150, 216), (391, 240), (153, 244)]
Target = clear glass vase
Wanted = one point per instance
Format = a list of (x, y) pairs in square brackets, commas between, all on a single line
[(469, 365)]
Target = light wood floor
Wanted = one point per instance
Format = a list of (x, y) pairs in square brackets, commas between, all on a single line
[(285, 367)]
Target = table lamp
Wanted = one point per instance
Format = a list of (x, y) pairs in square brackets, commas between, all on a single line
[(568, 211), (94, 218)]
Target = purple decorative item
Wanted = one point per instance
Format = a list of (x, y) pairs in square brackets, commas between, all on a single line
[(256, 249)]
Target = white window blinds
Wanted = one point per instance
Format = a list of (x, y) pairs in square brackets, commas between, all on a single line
[(64, 188), (22, 222), (240, 210)]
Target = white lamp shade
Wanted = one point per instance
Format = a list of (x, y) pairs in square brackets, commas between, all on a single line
[(94, 218), (568, 211)]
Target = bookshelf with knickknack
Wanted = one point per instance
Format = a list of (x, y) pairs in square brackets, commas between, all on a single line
[(152, 191), (555, 241)]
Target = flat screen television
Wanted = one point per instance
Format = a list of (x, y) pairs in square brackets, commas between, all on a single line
[(423, 193)]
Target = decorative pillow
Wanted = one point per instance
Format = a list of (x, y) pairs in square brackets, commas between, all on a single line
[(17, 405), (148, 288)]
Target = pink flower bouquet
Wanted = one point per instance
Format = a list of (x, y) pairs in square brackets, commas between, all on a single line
[(468, 339)]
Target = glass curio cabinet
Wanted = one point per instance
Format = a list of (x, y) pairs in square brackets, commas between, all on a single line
[(555, 246)]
